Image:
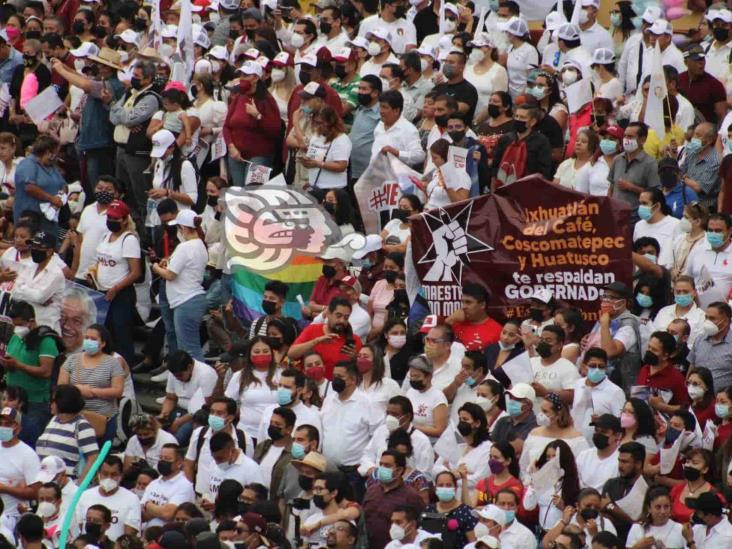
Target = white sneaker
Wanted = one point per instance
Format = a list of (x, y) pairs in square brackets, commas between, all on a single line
[(160, 377), (160, 400)]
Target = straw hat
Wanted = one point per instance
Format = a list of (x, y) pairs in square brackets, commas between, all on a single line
[(108, 57)]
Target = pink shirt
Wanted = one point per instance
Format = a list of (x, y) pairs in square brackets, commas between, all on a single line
[(381, 296)]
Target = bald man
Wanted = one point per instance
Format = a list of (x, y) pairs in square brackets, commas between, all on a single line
[(700, 168)]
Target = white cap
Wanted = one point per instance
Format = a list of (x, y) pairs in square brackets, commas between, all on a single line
[(373, 244), (482, 40), (86, 49), (568, 31), (452, 8), (603, 56), (252, 53), (709, 16), (203, 66), (571, 64), (381, 34), (515, 26), (161, 140), (310, 59), (251, 67), (337, 252), (522, 391), (312, 88), (724, 15), (129, 36), (492, 512), (553, 21), (661, 26), (262, 61), (203, 40), (169, 31), (488, 541), (426, 50), (185, 218), (359, 42), (50, 467), (230, 4), (218, 52), (543, 295), (651, 14), (590, 3)]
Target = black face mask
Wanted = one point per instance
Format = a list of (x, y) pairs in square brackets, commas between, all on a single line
[(304, 78), (668, 178), (600, 441), (340, 71), (400, 12), (441, 120), (93, 531), (456, 137), (329, 271), (39, 256), (329, 207), (269, 307), (650, 359), (275, 343), (390, 276), (338, 384), (114, 225), (78, 27), (692, 474), (212, 201), (306, 483), (275, 433), (494, 111), (401, 215), (364, 99), (325, 28), (103, 197), (319, 501), (464, 428), (589, 514), (135, 83), (29, 60), (165, 468), (233, 34), (140, 24), (537, 315), (543, 349), (520, 126), (250, 34), (720, 34), (401, 296), (33, 35), (600, 120), (416, 384)]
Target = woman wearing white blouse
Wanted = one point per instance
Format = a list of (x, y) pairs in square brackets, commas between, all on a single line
[(375, 381), (656, 528), (448, 184), (585, 148), (487, 75), (328, 152), (211, 113), (593, 180)]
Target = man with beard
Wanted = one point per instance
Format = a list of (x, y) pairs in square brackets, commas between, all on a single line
[(631, 456), (343, 535), (78, 312)]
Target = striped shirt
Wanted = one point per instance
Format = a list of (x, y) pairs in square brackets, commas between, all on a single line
[(69, 441), (99, 377)]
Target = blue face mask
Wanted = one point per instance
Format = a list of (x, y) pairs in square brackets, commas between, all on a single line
[(644, 300), (510, 516), (306, 109), (536, 91), (90, 346), (683, 300), (652, 258), (729, 144), (384, 474), (6, 434), (215, 422), (721, 410), (297, 450), (608, 146), (644, 212), (470, 382), (513, 407), (596, 375), (715, 239), (284, 396), (672, 434), (695, 145), (445, 493)]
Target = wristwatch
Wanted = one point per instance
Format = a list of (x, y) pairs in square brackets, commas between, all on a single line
[(610, 506)]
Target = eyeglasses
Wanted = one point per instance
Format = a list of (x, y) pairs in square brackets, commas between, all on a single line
[(432, 341)]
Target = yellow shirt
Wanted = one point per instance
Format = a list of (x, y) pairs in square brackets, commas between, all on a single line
[(654, 146)]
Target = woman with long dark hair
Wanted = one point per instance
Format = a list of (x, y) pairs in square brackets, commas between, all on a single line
[(656, 522), (621, 25), (505, 473), (339, 205), (639, 425), (374, 379), (700, 387)]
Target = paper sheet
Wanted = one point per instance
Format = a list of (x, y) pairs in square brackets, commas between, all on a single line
[(710, 433), (632, 504), (519, 369), (218, 147), (669, 455), (447, 446), (578, 95), (457, 156), (545, 478), (257, 175), (43, 105)]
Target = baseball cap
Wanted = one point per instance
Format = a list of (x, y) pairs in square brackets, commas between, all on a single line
[(86, 49), (481, 40), (488, 541), (603, 56), (118, 210), (169, 31), (346, 54), (607, 421), (708, 502), (553, 20), (315, 460), (51, 466), (429, 322), (515, 26), (668, 163), (336, 252), (590, 3), (229, 4), (543, 295), (359, 42), (616, 132), (283, 59), (12, 413), (452, 8), (491, 512), (421, 363), (218, 52), (237, 350), (129, 36), (312, 89), (661, 26), (252, 53), (202, 40), (310, 59), (185, 218), (255, 522), (618, 288), (41, 240), (381, 34), (373, 244), (650, 14), (522, 391), (161, 140), (348, 280), (723, 15), (251, 67), (568, 31)]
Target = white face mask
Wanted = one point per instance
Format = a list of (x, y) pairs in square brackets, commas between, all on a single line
[(584, 17), (481, 530), (21, 331), (695, 391), (278, 75), (108, 484), (166, 50), (630, 145), (424, 64), (542, 420), (685, 225), (297, 41), (396, 532), (392, 423), (569, 77), (484, 403), (46, 509), (374, 49), (450, 26), (397, 341), (709, 328)]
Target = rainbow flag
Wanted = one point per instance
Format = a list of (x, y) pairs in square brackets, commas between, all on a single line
[(247, 287)]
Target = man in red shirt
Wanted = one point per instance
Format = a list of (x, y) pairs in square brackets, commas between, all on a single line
[(335, 262), (659, 374), (334, 340), (472, 325)]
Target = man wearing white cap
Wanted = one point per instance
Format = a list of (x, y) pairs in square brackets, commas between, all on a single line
[(392, 20), (521, 55), (719, 51), (638, 52), (53, 469), (592, 34), (570, 48), (662, 32), (491, 519), (379, 48)]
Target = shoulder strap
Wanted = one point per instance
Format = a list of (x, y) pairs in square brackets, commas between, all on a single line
[(639, 74), (199, 443), (241, 439)]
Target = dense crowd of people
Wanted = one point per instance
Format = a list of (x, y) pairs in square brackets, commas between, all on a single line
[(349, 423)]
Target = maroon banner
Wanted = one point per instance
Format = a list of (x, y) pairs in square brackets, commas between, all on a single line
[(531, 234)]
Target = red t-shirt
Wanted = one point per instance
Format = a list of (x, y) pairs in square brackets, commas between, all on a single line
[(486, 489), (331, 352), (325, 290), (705, 414), (668, 379), (679, 511), (476, 337), (724, 430)]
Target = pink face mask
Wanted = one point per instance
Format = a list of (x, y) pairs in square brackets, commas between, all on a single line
[(627, 420)]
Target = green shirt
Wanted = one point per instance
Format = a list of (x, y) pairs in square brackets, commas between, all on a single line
[(348, 94), (38, 388)]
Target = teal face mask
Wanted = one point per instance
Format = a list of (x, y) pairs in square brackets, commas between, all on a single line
[(715, 239), (216, 423), (595, 375), (683, 300), (445, 493), (644, 212), (384, 474), (297, 450), (608, 146), (644, 300)]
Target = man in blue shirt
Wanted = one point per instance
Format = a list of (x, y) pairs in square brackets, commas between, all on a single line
[(10, 58), (364, 122), (677, 193)]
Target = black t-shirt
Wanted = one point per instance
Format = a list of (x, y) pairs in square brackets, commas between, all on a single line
[(552, 130), (464, 92), (426, 23)]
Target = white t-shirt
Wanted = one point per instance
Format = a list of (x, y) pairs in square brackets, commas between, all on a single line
[(567, 174), (454, 179), (204, 377), (403, 33), (152, 455), (493, 80), (188, 185), (254, 399), (338, 150), (395, 233), (593, 471), (123, 504), (188, 262), (665, 231), (205, 461), (19, 465), (373, 68), (244, 470), (424, 405), (612, 89), (670, 534), (112, 258), (560, 375), (176, 490), (593, 178), (518, 64), (92, 226), (268, 462)]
